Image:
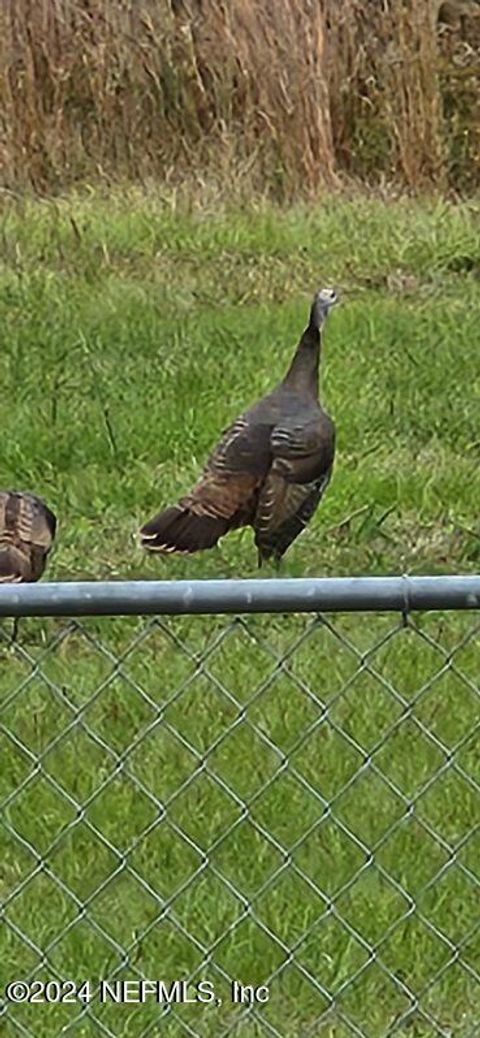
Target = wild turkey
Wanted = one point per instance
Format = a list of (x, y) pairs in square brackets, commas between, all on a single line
[(270, 469), (27, 532)]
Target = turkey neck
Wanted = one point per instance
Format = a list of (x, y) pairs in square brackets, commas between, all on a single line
[(302, 375)]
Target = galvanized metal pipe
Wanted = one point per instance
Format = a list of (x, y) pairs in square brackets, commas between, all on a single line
[(302, 595)]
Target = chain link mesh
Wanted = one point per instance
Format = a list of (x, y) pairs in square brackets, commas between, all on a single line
[(288, 802)]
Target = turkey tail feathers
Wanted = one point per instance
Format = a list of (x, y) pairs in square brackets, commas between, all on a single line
[(180, 531)]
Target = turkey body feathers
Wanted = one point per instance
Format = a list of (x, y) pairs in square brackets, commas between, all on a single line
[(268, 471), (300, 471), (27, 532)]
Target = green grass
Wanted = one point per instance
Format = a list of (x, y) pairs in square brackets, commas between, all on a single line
[(132, 332)]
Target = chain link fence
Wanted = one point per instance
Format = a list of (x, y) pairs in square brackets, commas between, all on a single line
[(241, 825)]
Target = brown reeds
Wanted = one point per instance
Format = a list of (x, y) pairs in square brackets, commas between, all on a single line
[(284, 96)]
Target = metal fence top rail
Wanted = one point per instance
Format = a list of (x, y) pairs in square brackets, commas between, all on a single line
[(279, 595)]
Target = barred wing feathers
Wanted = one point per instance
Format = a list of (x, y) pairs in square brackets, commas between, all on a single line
[(224, 498), (299, 475), (27, 532)]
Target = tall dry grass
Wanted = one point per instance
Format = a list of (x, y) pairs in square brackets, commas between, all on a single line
[(281, 95)]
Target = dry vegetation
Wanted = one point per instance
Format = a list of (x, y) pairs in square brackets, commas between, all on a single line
[(283, 95)]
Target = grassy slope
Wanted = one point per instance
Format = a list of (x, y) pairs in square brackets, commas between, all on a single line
[(130, 337)]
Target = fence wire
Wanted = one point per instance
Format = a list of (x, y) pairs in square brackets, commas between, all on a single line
[(281, 814)]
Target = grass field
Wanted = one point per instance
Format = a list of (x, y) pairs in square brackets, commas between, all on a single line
[(132, 331)]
